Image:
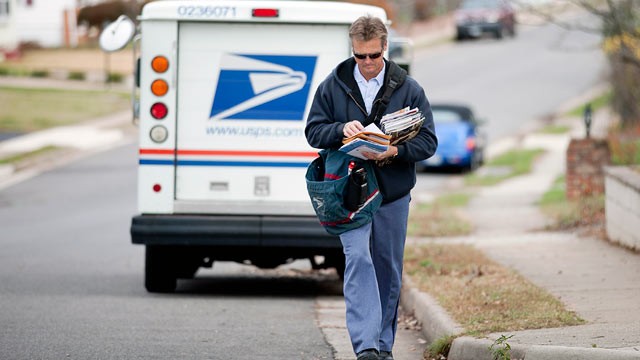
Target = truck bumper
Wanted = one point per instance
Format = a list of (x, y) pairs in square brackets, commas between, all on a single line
[(232, 231)]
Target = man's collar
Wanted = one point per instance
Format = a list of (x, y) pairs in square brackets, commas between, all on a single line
[(360, 79)]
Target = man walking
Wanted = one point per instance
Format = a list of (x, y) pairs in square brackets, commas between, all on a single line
[(373, 252)]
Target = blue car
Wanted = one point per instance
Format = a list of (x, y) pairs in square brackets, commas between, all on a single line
[(461, 141)]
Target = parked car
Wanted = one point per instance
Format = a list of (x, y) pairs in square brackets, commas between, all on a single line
[(477, 17), (461, 138)]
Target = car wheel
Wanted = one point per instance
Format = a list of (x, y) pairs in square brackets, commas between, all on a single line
[(158, 274), (460, 36), (499, 32), (474, 163)]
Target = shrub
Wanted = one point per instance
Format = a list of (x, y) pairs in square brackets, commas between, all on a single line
[(76, 75), (115, 78), (40, 73)]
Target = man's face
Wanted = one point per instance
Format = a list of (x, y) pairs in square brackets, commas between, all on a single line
[(369, 68)]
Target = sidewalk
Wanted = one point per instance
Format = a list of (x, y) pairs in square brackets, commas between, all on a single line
[(598, 280)]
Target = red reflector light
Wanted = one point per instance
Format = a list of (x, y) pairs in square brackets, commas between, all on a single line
[(471, 143), (159, 110), (157, 187), (270, 13)]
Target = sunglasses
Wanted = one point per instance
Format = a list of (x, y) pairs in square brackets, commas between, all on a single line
[(364, 56)]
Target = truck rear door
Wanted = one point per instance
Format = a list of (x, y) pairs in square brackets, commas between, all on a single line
[(244, 90)]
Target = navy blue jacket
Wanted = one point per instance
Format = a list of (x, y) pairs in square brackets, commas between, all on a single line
[(338, 101)]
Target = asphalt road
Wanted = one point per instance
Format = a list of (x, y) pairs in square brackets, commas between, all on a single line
[(71, 282), (514, 84)]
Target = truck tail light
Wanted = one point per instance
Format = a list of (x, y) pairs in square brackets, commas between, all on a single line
[(159, 87), (159, 110), (265, 13), (160, 64)]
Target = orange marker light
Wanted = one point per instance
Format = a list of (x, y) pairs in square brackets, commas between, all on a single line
[(159, 64), (159, 87)]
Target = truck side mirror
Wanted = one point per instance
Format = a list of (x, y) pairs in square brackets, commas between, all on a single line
[(117, 34)]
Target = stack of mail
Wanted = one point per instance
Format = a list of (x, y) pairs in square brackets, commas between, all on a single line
[(402, 124), (372, 140)]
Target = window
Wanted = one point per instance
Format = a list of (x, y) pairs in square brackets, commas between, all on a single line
[(4, 10)]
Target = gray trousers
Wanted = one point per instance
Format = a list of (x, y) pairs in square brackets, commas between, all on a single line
[(373, 276)]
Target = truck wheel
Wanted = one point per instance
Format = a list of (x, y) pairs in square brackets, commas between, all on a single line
[(158, 275), (340, 271), (337, 261)]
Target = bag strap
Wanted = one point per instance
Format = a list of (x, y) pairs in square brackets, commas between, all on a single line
[(397, 76)]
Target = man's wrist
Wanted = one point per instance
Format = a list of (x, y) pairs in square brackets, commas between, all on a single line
[(395, 153)]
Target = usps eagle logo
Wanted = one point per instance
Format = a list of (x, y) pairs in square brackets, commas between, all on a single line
[(262, 87)]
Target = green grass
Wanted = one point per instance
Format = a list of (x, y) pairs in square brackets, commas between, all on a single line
[(23, 156), (440, 347), (596, 104), (25, 110), (555, 129), (568, 214), (440, 217), (556, 194), (518, 162), (10, 71)]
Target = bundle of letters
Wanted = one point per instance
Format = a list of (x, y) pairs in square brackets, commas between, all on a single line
[(371, 139), (402, 125), (397, 127)]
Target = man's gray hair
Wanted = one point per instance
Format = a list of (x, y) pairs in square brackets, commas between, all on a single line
[(368, 27)]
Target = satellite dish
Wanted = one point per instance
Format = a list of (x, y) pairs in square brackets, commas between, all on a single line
[(117, 34)]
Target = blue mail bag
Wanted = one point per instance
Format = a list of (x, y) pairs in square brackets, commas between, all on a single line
[(328, 184)]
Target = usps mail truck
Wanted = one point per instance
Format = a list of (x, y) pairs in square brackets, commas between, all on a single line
[(224, 91)]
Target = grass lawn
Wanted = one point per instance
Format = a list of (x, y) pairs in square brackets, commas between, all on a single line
[(481, 295), (586, 211), (440, 217), (518, 162), (25, 110)]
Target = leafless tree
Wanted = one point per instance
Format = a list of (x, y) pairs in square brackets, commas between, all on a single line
[(619, 26)]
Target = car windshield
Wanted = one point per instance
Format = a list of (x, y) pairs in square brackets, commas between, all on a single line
[(480, 4), (446, 116)]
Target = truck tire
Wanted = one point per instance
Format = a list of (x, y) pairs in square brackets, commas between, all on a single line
[(158, 274)]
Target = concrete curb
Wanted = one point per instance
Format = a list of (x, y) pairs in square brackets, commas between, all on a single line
[(468, 348), (436, 322)]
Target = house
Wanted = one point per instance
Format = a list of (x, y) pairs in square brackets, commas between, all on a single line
[(46, 23), (8, 31)]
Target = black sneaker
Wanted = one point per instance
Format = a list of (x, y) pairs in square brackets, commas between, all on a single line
[(369, 354), (385, 355)]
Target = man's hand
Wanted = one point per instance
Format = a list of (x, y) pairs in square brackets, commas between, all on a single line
[(351, 128), (391, 152)]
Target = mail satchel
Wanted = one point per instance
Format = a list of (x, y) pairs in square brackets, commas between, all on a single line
[(343, 197)]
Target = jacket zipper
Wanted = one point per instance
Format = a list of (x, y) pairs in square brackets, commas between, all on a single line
[(357, 104)]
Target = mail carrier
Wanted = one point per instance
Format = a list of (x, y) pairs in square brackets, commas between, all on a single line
[(224, 91)]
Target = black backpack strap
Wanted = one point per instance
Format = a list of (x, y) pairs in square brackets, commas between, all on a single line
[(397, 75)]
